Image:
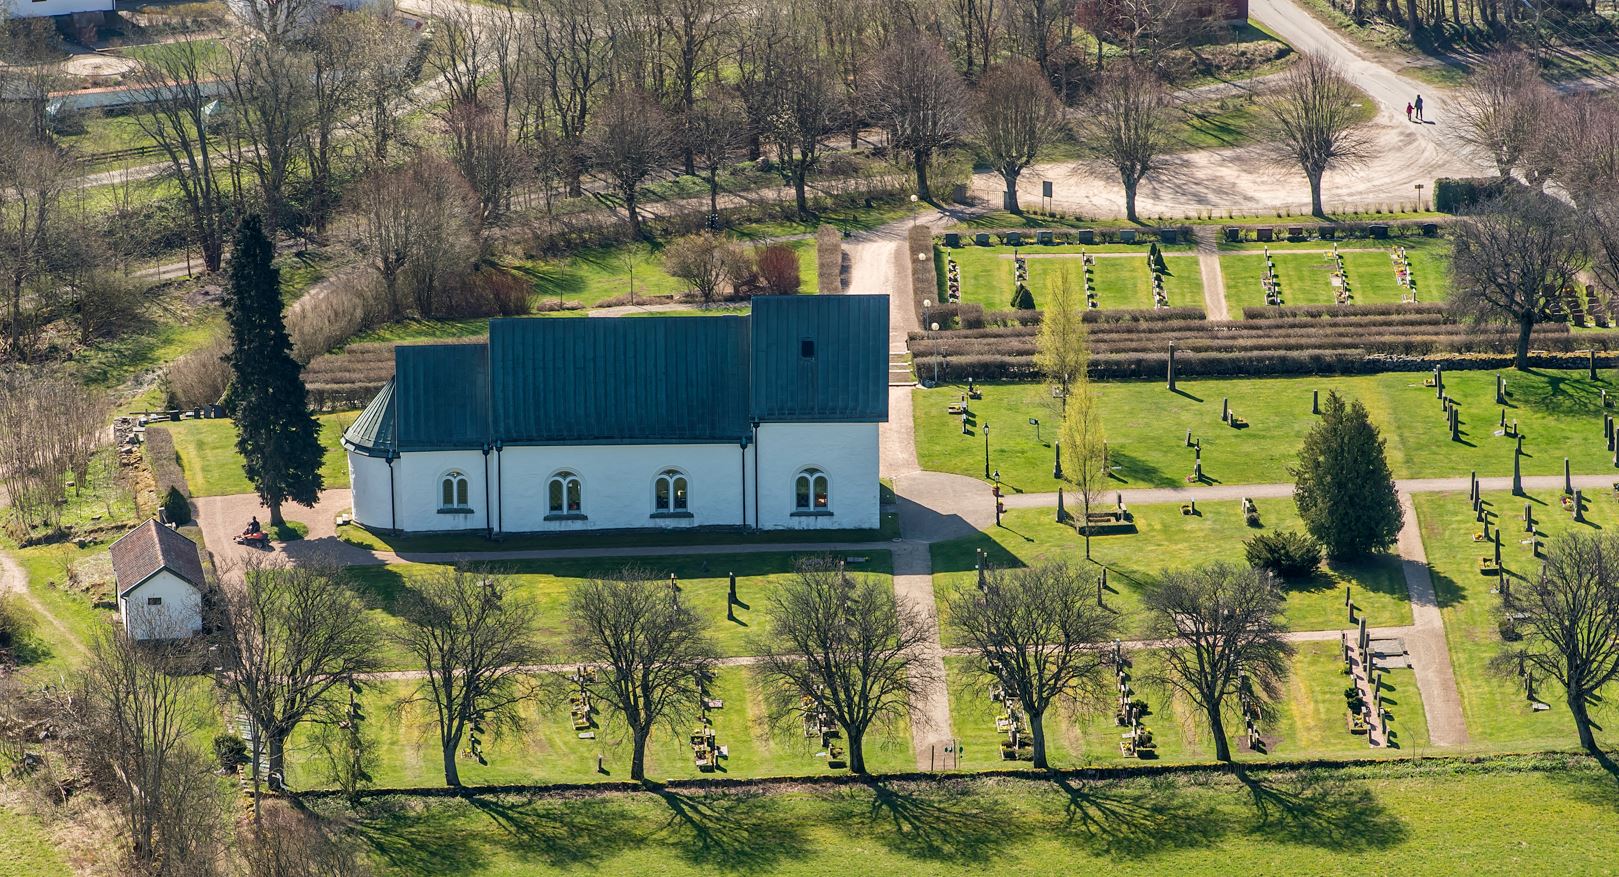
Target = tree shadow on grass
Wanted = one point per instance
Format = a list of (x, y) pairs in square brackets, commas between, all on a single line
[(1137, 820), (950, 822), (734, 831), (1134, 470), (412, 839), (559, 832), (1330, 812)]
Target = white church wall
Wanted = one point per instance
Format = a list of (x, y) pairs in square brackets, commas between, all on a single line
[(846, 452)]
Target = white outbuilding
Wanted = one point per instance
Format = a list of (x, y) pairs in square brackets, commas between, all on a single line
[(766, 421), (160, 582)]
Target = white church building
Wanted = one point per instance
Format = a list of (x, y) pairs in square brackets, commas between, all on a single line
[(765, 421)]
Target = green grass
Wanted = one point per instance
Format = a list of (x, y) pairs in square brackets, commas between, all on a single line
[(1216, 124), (207, 450), (1145, 425), (1499, 715), (1306, 276), (1121, 282), (446, 542), (547, 749), (57, 647), (703, 581), (1168, 539), (1435, 818), (590, 276), (25, 848)]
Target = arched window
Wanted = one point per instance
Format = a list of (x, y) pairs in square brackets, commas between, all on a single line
[(810, 491), (669, 492), (566, 494), (452, 491)]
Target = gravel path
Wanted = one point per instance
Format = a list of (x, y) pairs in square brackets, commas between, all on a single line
[(1208, 263)]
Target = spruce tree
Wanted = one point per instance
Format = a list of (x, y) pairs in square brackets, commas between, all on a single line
[(1342, 484), (276, 433)]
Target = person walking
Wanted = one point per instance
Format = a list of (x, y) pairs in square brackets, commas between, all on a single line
[(1418, 106), (1408, 109)]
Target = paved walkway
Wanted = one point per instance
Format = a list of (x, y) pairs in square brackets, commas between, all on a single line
[(1208, 264), (1430, 654)]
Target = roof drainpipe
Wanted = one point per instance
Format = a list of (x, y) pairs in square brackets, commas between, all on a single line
[(500, 491), (755, 475), (488, 524), (393, 502)]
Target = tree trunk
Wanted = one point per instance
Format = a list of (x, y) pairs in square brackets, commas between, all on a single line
[(638, 755), (1009, 200), (1315, 195), (713, 190), (857, 752), (1037, 730), (276, 750), (920, 157), (799, 197), (1085, 525), (635, 214), (1411, 18), (1222, 747), (275, 514), (1130, 197), (452, 773), (1582, 722), (1526, 324)]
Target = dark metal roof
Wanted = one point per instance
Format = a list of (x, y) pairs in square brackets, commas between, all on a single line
[(820, 358), (143, 551), (645, 380)]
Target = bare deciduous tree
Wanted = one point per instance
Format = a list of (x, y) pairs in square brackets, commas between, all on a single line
[(475, 640), (628, 142), (1582, 135), (384, 65), (268, 87), (1569, 618), (417, 225), (1038, 632), (571, 49), (917, 96), (799, 110), (177, 118), (55, 425), (33, 233), (1511, 258), (291, 841), (706, 261), (1084, 444), (1315, 121), (713, 131), (1223, 638), (651, 649), (1017, 114), (845, 643), (1127, 123), (289, 635), (1501, 107)]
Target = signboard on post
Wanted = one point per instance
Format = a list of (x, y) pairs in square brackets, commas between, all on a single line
[(1045, 194)]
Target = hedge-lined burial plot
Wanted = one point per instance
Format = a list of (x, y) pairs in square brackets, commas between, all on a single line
[(703, 581), (548, 749), (213, 467), (1121, 275), (1499, 714), (1167, 539), (1310, 719), (1146, 425), (1305, 271)]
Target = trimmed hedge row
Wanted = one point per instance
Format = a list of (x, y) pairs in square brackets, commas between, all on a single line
[(1116, 366), (1453, 194), (924, 280), (164, 461), (829, 260), (1458, 340), (1268, 312)]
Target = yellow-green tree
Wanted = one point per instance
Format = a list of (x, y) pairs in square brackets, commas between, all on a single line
[(1061, 352)]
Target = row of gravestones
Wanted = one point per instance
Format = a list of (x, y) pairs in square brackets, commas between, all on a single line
[(1340, 279), (1269, 282), (1403, 274), (1083, 236), (952, 280)]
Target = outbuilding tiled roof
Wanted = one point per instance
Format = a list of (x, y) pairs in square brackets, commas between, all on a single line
[(151, 547), (646, 380)]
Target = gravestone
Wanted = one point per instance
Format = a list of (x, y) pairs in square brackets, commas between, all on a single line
[(1327, 232), (1517, 475), (1233, 234), (1568, 478), (1172, 366), (1315, 401), (1045, 237), (1379, 232), (1266, 234), (981, 239), (1128, 235), (952, 239), (1579, 507), (1012, 239), (1430, 229), (1169, 235), (1087, 236)]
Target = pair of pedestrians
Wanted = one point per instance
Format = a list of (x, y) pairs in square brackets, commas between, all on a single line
[(1415, 106)]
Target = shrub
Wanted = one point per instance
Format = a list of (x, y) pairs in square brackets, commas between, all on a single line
[(777, 266), (329, 314), (829, 260), (1452, 195), (1288, 554), (1023, 299), (15, 621), (199, 377), (231, 751), (706, 261), (175, 506), (164, 462), (488, 292)]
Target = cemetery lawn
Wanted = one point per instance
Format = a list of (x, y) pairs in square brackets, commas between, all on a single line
[(547, 748), (1433, 818), (1499, 716), (1558, 411), (702, 578), (1305, 270), (473, 543), (25, 848), (207, 450), (1166, 539), (1121, 275), (1310, 720)]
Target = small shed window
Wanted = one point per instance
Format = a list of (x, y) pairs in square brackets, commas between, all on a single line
[(806, 348), (154, 601)]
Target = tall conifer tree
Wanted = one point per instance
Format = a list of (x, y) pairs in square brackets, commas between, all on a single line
[(276, 433), (1343, 486)]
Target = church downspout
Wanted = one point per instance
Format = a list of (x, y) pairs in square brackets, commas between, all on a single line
[(756, 521), (393, 502), (488, 522), (500, 490)]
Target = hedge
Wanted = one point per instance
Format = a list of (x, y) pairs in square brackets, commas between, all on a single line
[(994, 367), (1455, 194), (924, 279), (164, 461), (829, 260)]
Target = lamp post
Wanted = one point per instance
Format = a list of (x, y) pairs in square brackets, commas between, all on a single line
[(1035, 422), (943, 352), (997, 493), (913, 210), (986, 449)]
